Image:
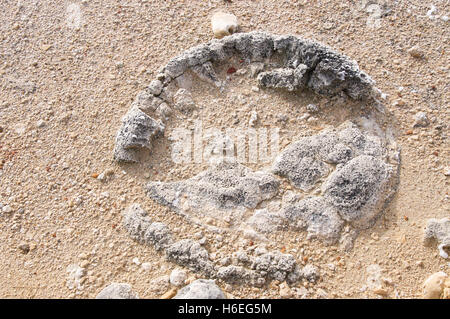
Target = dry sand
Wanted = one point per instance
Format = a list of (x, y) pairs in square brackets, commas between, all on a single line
[(68, 73)]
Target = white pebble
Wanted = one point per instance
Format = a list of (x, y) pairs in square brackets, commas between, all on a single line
[(7, 209), (223, 24), (178, 277)]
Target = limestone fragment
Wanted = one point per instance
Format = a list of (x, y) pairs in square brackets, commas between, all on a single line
[(201, 289), (178, 277), (141, 228), (421, 120), (314, 214), (137, 132), (359, 189), (190, 254), (224, 24), (75, 275), (438, 230), (289, 79), (433, 286), (117, 291)]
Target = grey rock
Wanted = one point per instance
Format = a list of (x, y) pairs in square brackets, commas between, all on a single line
[(159, 285), (421, 120), (289, 79), (190, 254), (178, 277), (326, 72), (438, 230), (253, 46), (320, 219), (117, 291), (235, 274), (360, 189), (223, 187), (141, 228), (155, 87), (146, 102), (197, 55), (334, 75), (294, 276), (275, 265), (206, 73), (310, 273), (137, 132), (201, 289), (221, 50), (304, 161), (299, 164), (261, 268)]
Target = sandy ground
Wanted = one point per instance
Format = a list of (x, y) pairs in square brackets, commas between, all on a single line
[(68, 73)]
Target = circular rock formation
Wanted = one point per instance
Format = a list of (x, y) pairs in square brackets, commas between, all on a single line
[(340, 178)]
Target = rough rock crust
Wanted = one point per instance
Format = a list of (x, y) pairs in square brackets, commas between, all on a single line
[(223, 192), (438, 230), (137, 131), (201, 289), (254, 270), (141, 228), (306, 64), (348, 175)]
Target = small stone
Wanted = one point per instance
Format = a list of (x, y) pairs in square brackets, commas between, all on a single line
[(117, 291), (201, 289), (40, 123), (253, 119), (224, 24), (285, 291), (136, 261), (146, 266), (256, 68), (24, 248), (380, 291), (434, 285), (7, 209), (160, 285), (421, 120), (164, 111), (104, 176), (310, 273), (178, 277), (155, 87), (416, 52), (312, 108), (75, 277), (447, 171), (438, 230)]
